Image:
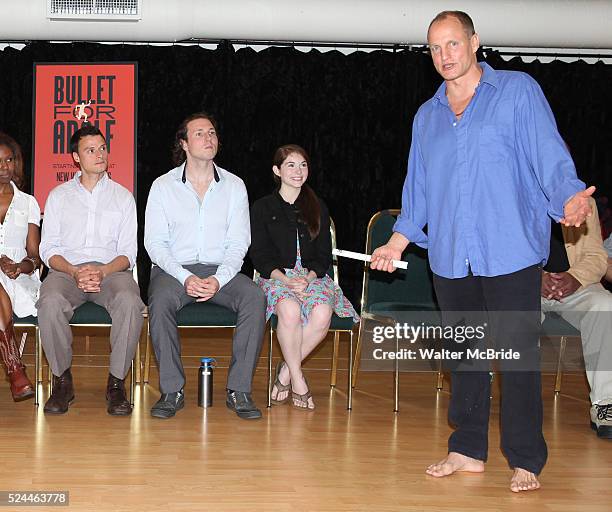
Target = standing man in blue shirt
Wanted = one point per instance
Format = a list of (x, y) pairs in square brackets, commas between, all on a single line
[(487, 167), (197, 232)]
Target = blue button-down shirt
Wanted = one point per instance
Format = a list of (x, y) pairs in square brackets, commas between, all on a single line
[(486, 184), (180, 229)]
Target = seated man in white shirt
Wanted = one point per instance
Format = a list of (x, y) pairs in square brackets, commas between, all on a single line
[(197, 232), (89, 244), (571, 287)]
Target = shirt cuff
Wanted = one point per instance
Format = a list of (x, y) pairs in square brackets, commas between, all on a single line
[(182, 275), (561, 196), (407, 228), (54, 252), (223, 275)]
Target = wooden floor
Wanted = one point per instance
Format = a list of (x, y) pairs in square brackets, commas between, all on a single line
[(329, 460)]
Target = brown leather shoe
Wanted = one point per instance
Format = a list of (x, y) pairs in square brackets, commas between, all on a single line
[(62, 395), (21, 387), (118, 404)]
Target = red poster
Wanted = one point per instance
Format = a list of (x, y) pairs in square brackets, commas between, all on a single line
[(106, 93)]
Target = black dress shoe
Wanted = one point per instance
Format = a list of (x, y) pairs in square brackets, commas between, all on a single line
[(62, 394), (242, 404), (168, 404), (118, 404)]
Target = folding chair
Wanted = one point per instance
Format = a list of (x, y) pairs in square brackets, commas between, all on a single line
[(385, 297), (90, 315), (555, 326)]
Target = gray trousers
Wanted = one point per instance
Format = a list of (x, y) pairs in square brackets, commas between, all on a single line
[(590, 310), (167, 297), (60, 296)]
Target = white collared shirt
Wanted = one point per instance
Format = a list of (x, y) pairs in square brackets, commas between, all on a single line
[(180, 229), (87, 226)]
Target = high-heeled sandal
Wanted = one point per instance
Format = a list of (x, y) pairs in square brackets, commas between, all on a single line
[(302, 399), (280, 387)]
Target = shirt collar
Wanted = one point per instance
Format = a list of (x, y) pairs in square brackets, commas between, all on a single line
[(489, 76), (182, 172), (283, 203), (101, 183)]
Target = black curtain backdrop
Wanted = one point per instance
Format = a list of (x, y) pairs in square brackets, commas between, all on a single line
[(353, 113)]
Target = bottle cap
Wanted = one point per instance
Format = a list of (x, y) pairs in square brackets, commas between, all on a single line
[(208, 360)]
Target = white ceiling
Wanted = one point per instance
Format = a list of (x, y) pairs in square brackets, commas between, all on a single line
[(500, 23)]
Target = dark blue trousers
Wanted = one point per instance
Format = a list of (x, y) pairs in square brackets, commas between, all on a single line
[(510, 306)]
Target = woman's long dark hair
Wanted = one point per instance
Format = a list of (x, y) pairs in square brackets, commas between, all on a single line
[(307, 202)]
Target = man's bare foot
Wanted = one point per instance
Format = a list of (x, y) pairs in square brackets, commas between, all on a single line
[(455, 462), (523, 480)]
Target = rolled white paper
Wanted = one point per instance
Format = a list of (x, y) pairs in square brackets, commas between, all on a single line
[(366, 257)]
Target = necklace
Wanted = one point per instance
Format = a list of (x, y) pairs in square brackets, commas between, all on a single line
[(459, 114)]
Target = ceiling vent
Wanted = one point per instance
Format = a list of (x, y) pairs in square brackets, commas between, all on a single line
[(94, 9)]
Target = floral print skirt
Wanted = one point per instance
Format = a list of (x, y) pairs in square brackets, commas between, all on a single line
[(322, 290)]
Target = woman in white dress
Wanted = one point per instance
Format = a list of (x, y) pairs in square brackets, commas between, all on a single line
[(19, 261)]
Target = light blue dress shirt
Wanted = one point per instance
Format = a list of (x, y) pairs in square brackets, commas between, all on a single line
[(180, 229), (486, 184), (608, 246)]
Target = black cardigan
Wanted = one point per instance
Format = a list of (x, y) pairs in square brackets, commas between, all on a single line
[(273, 240)]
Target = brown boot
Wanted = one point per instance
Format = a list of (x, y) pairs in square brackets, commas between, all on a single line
[(62, 394), (21, 387)]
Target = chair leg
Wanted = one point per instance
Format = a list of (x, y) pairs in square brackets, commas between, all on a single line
[(440, 380), (37, 363), (396, 379), (132, 381), (147, 365), (271, 339), (39, 358), (350, 373), (137, 357), (334, 368), (357, 360), (560, 364)]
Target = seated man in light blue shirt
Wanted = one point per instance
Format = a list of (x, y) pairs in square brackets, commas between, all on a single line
[(608, 248), (197, 232), (89, 243)]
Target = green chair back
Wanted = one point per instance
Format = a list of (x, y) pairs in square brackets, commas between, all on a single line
[(403, 290)]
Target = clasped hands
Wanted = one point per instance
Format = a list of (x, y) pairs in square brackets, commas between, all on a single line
[(89, 277), (9, 267), (201, 288), (297, 285), (558, 285)]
